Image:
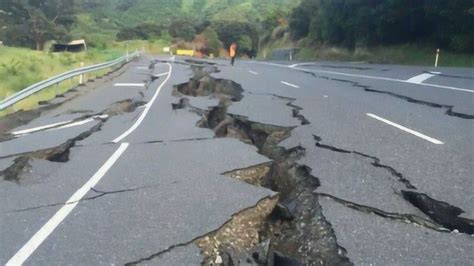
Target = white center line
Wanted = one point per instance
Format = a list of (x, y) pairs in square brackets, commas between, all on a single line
[(129, 84), (420, 78), (411, 131), (253, 72), (147, 109), (143, 67), (289, 84), (25, 252)]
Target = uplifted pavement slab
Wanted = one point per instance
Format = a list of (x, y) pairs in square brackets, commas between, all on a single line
[(43, 139), (169, 193)]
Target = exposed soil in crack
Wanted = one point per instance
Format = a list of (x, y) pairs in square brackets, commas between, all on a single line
[(296, 231), (205, 85), (232, 243), (449, 108), (236, 234), (254, 175), (125, 106)]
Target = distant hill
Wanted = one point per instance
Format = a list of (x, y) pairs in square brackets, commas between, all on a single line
[(103, 21)]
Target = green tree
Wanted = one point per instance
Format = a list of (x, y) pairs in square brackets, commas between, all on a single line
[(242, 33), (182, 28), (38, 21)]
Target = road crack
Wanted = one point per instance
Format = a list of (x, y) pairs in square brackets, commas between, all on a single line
[(449, 108), (440, 212), (100, 194), (375, 161), (405, 218), (59, 153)]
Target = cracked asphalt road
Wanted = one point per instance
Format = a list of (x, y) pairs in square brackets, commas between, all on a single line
[(147, 181)]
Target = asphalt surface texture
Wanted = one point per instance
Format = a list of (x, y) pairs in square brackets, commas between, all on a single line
[(113, 173)]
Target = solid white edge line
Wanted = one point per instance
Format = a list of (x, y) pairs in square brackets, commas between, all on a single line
[(367, 77), (59, 125), (253, 72), (290, 84), (420, 78), (147, 109), (30, 130), (25, 252), (411, 131)]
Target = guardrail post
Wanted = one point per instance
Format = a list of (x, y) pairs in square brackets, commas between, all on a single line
[(81, 77), (126, 56)]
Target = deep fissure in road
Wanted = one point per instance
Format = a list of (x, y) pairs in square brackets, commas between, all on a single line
[(295, 232), (445, 216), (441, 212)]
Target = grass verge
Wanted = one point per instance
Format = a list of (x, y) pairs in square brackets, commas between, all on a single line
[(400, 54), (21, 67)]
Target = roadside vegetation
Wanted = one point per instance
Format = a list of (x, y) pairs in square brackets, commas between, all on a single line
[(380, 31), (406, 54), (21, 67)]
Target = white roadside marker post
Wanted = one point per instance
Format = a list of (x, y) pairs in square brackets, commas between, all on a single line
[(437, 58), (81, 77)]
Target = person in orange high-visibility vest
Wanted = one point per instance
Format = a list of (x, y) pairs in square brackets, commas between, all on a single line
[(232, 52)]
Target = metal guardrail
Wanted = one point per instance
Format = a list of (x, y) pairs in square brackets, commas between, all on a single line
[(12, 99)]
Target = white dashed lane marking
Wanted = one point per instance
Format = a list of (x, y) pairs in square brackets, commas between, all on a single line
[(411, 131)]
